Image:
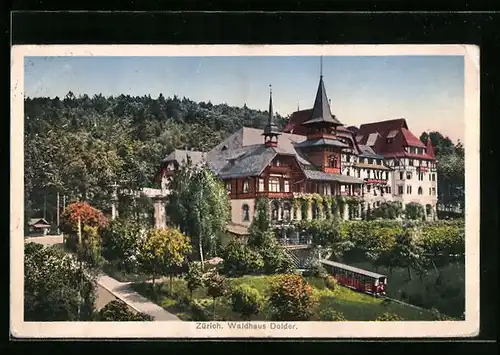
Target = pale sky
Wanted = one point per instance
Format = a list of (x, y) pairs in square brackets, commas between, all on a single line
[(426, 90)]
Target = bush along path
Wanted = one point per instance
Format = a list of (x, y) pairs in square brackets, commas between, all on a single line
[(124, 292)]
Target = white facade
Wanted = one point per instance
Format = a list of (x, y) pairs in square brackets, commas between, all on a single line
[(414, 180)]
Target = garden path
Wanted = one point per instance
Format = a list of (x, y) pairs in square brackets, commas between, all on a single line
[(120, 290)]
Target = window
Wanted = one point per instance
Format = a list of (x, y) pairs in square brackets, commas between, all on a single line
[(420, 176), (401, 175), (430, 191), (387, 175), (246, 186), (277, 162), (396, 162), (359, 173), (408, 176), (368, 188), (274, 210), (408, 189), (287, 209), (246, 213), (370, 161), (433, 190), (368, 173), (400, 190), (228, 187), (261, 185), (274, 184), (388, 189), (410, 162), (389, 140), (286, 186), (433, 177), (420, 192), (430, 177), (332, 161), (224, 148), (348, 172)]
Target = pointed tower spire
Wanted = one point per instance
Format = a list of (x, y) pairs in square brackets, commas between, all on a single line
[(430, 148), (321, 67), (271, 130), (321, 110)]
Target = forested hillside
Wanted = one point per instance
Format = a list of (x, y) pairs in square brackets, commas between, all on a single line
[(80, 146)]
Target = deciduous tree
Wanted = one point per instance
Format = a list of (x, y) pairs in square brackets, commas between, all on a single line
[(216, 287), (52, 287), (163, 250)]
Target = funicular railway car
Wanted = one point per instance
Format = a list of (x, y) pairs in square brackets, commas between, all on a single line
[(355, 278)]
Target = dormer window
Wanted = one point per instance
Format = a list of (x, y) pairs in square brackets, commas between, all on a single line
[(246, 186), (390, 140), (223, 148), (277, 163)]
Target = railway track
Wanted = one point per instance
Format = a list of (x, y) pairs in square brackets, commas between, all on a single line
[(404, 303)]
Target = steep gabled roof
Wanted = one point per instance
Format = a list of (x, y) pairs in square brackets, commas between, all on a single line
[(38, 221), (399, 134), (180, 156), (382, 127), (410, 139), (252, 163)]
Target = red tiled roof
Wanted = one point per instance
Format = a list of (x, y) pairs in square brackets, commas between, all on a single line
[(411, 140), (430, 148), (294, 125), (382, 127), (398, 131)]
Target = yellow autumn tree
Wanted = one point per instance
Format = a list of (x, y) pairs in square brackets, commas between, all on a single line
[(163, 250)]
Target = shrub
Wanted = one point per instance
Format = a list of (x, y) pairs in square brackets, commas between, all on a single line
[(246, 301), (414, 210), (240, 259), (388, 317), (331, 282), (316, 270), (117, 311), (194, 277), (331, 315), (276, 260), (291, 298)]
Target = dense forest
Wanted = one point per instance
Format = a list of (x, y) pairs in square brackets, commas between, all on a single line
[(80, 146)]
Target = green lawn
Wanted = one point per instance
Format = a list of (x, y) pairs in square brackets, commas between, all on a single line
[(355, 306), (122, 276), (447, 294)]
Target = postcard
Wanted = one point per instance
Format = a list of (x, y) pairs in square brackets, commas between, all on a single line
[(244, 191)]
